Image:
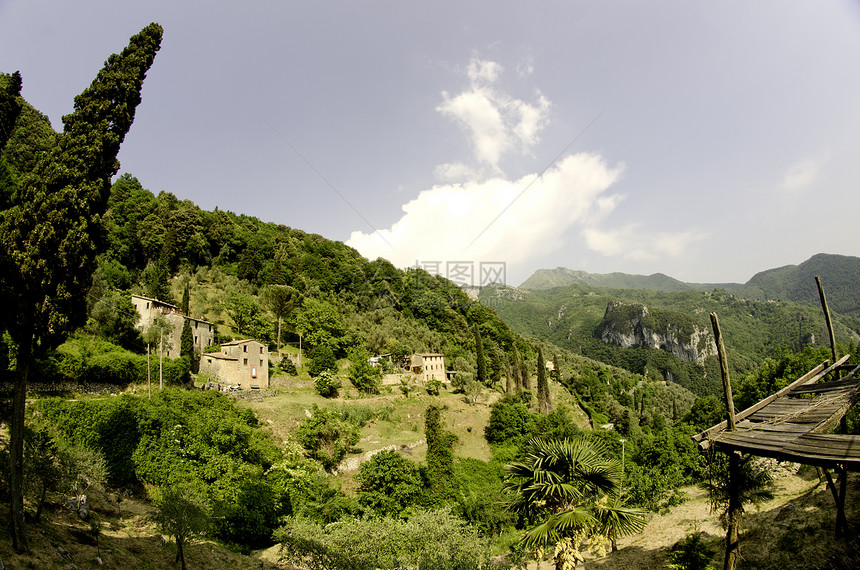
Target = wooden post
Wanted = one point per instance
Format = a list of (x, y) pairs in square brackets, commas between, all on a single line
[(833, 348), (843, 423), (734, 521), (724, 372)]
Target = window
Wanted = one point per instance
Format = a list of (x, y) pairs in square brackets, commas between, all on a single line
[(245, 361), (195, 340), (261, 363), (245, 348), (196, 324), (261, 350)]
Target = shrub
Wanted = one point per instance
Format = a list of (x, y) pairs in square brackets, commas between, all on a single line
[(321, 358), (388, 484), (288, 366), (691, 553), (365, 377), (326, 384), (433, 387), (327, 437)]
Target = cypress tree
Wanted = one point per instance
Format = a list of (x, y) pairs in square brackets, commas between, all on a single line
[(440, 457), (518, 370), (543, 384), (186, 300), (482, 362), (53, 228)]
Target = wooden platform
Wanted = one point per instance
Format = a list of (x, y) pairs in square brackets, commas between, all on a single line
[(791, 424)]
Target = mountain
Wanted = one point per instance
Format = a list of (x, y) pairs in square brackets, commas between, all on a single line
[(561, 277), (840, 275), (654, 332)]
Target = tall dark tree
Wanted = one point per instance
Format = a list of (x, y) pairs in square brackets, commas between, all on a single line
[(53, 229), (185, 307), (281, 300), (481, 373), (186, 340), (518, 370), (543, 384), (440, 457)]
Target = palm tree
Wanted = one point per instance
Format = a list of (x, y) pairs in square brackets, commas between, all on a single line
[(569, 490)]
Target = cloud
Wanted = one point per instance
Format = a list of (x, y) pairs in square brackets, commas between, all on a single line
[(803, 173), (441, 223), (634, 243), (496, 123)]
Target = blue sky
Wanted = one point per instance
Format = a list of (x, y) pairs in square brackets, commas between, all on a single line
[(707, 141)]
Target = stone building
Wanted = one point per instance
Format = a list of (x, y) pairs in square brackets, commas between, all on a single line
[(243, 363), (148, 309), (429, 366)]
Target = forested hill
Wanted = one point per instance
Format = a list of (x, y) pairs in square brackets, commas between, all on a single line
[(796, 283), (572, 317), (561, 277), (840, 275), (346, 301)]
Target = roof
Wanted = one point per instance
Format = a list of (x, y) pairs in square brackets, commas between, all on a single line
[(790, 425), (155, 301), (219, 356), (244, 341)]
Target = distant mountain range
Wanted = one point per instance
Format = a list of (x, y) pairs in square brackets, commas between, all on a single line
[(840, 275)]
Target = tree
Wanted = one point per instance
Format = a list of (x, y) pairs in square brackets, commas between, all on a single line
[(518, 370), (388, 484), (362, 374), (185, 307), (280, 299), (327, 437), (481, 371), (441, 480), (247, 317), (321, 360), (319, 322), (327, 384), (543, 384), (567, 491), (186, 343), (181, 512), (53, 228)]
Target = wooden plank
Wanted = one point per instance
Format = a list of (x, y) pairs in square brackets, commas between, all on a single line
[(816, 373), (847, 380)]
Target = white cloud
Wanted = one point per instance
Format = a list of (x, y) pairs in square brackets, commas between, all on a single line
[(632, 242), (441, 223), (803, 173), (454, 172), (495, 121)]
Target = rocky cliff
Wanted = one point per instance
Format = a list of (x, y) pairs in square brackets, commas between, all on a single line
[(633, 324)]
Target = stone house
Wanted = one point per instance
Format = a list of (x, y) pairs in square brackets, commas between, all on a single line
[(148, 309), (243, 363), (429, 366)]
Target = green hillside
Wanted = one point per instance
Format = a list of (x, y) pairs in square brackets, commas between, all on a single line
[(753, 330), (839, 276)]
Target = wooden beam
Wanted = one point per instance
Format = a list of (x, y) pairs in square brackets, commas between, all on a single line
[(755, 407), (833, 348), (724, 372)]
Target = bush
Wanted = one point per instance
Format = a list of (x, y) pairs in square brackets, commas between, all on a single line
[(388, 484), (321, 358), (691, 553), (327, 437), (365, 377), (433, 387), (288, 367), (326, 384)]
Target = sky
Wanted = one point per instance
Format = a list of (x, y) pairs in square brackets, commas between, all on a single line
[(488, 139)]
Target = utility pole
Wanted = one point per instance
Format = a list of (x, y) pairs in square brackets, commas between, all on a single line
[(148, 375), (160, 357)]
